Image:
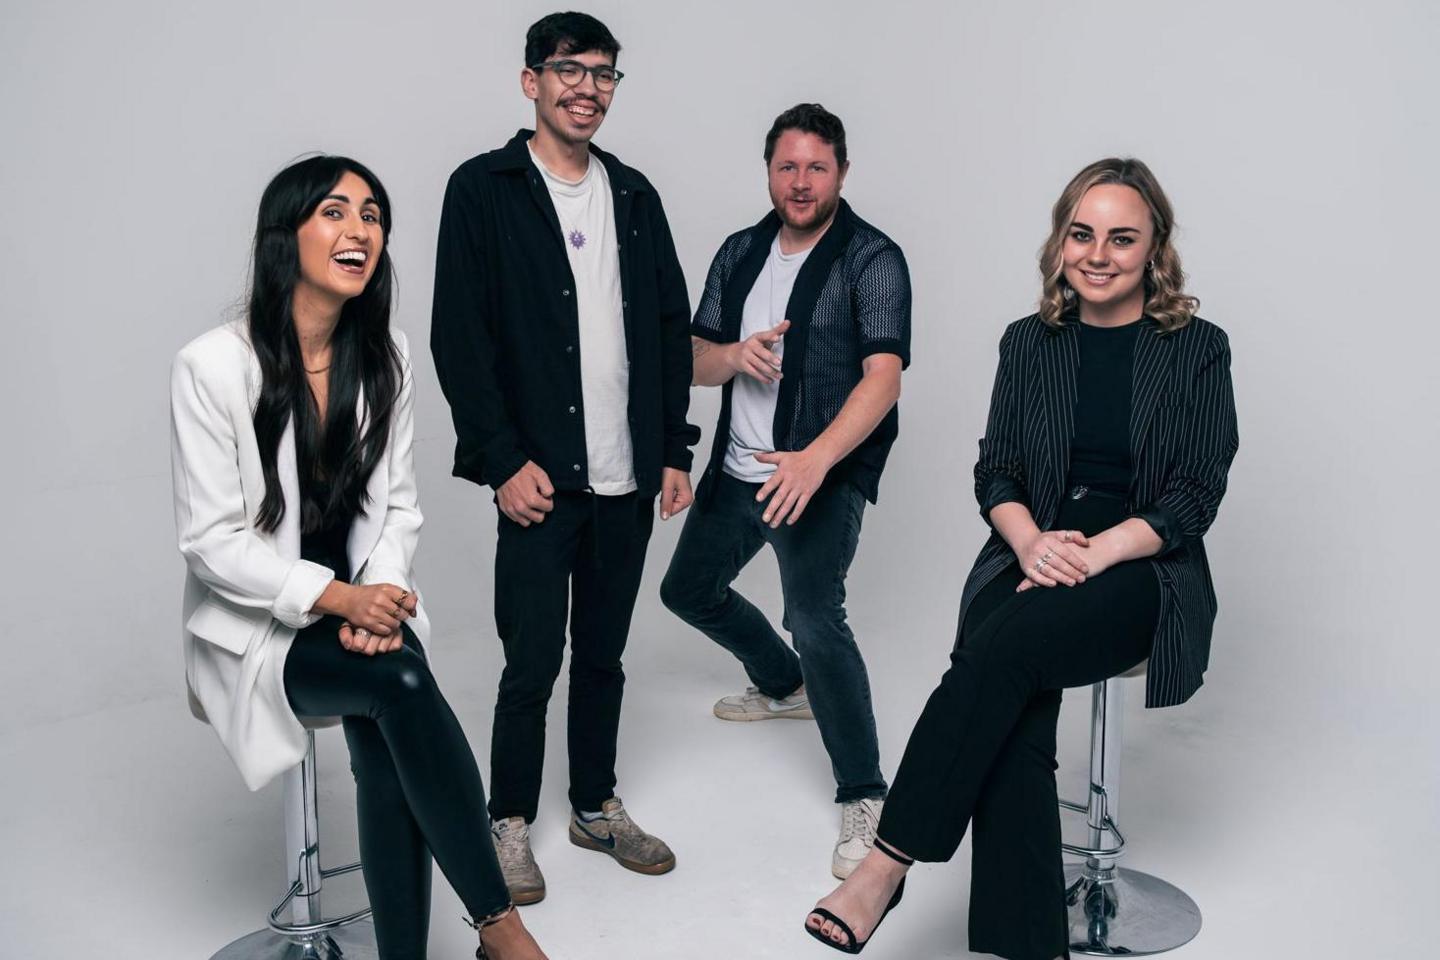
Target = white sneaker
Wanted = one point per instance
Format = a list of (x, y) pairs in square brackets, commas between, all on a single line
[(754, 705), (858, 822)]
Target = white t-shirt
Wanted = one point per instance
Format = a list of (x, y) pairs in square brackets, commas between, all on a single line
[(586, 210), (752, 403)]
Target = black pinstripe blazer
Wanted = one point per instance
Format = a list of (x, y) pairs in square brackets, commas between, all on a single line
[(1183, 435)]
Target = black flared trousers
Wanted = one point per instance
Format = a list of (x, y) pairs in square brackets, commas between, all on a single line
[(417, 788), (983, 750)]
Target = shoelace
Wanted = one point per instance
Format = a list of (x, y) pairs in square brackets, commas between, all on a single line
[(857, 820), (513, 846)]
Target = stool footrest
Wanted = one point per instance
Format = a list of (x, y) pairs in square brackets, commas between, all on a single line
[(320, 926), (1094, 853)]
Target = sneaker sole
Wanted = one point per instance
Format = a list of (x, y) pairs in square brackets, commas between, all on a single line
[(527, 897), (649, 869), (799, 713)]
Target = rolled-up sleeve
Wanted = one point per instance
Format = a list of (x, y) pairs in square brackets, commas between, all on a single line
[(1208, 440), (1000, 468)]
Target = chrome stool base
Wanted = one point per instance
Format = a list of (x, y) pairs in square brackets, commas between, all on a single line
[(1119, 912), (355, 941)]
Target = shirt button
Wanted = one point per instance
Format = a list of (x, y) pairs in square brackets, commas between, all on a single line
[(624, 304), (634, 233), (569, 348), (575, 467), (565, 293), (572, 408)]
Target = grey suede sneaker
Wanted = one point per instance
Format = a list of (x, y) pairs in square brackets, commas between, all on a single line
[(619, 836), (754, 705), (517, 862), (858, 822)]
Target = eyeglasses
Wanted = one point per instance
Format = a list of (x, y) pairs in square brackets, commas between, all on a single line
[(571, 72)]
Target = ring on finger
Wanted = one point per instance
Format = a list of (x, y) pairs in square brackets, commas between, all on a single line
[(1065, 537), (1041, 564), (1048, 555)]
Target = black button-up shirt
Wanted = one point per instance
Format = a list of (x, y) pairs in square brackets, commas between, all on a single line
[(505, 330)]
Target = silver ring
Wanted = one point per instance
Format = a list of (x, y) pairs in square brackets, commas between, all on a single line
[(1041, 564), (1048, 555), (361, 632), (1066, 536)]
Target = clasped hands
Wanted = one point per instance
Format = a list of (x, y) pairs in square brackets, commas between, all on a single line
[(1053, 557), (373, 614)]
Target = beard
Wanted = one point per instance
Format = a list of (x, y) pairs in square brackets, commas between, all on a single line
[(820, 213)]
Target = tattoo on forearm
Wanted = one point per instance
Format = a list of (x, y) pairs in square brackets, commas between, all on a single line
[(698, 347)]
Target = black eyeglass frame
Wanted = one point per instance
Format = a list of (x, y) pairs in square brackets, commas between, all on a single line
[(594, 72)]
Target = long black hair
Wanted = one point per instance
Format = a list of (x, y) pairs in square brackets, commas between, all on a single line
[(334, 458)]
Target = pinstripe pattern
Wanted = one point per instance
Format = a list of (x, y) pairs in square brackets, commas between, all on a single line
[(1183, 436)]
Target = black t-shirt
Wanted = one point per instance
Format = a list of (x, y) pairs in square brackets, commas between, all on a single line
[(1100, 450), (328, 542)]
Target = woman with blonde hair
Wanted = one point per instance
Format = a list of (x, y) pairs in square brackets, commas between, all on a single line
[(1111, 431)]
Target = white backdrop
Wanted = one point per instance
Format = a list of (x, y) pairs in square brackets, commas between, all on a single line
[(1297, 142)]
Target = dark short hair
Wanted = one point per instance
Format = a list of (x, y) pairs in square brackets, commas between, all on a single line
[(808, 118), (567, 33)]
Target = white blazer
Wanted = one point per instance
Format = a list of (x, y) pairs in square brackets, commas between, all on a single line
[(248, 591)]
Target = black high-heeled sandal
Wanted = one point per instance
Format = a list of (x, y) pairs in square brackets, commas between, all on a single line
[(482, 923), (853, 945)]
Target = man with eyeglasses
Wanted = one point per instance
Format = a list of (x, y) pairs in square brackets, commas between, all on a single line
[(805, 322), (560, 335)]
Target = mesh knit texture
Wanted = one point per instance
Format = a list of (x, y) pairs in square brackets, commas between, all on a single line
[(863, 308)]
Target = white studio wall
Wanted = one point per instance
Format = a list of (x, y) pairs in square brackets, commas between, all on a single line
[(1297, 141)]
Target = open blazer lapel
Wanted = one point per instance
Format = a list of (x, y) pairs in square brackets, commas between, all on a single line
[(1048, 435), (1154, 360)]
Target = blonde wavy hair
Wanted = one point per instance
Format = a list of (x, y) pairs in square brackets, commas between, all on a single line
[(1166, 301)]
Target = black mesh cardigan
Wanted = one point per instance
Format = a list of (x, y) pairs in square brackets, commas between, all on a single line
[(850, 300)]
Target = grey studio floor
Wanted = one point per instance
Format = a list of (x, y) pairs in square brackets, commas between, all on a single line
[(128, 834)]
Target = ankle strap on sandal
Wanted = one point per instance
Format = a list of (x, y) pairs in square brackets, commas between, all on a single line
[(495, 917), (893, 854)]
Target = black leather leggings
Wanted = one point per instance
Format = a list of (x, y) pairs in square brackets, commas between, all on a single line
[(418, 790)]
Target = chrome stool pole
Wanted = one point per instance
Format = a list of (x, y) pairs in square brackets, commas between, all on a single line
[(1114, 911), (307, 935)]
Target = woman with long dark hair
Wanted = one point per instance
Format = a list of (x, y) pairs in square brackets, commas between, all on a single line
[(296, 509), (1111, 432)]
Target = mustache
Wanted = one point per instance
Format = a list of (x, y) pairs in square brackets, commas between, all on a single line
[(581, 98)]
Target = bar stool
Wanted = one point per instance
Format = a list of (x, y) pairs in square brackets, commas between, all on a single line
[(1115, 911), (308, 934)]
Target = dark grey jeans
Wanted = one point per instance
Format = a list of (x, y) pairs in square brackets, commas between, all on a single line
[(723, 531)]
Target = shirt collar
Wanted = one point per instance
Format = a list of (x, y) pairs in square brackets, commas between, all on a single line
[(515, 156)]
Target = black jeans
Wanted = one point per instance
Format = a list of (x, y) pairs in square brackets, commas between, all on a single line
[(722, 533), (418, 790), (586, 559), (983, 750)]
